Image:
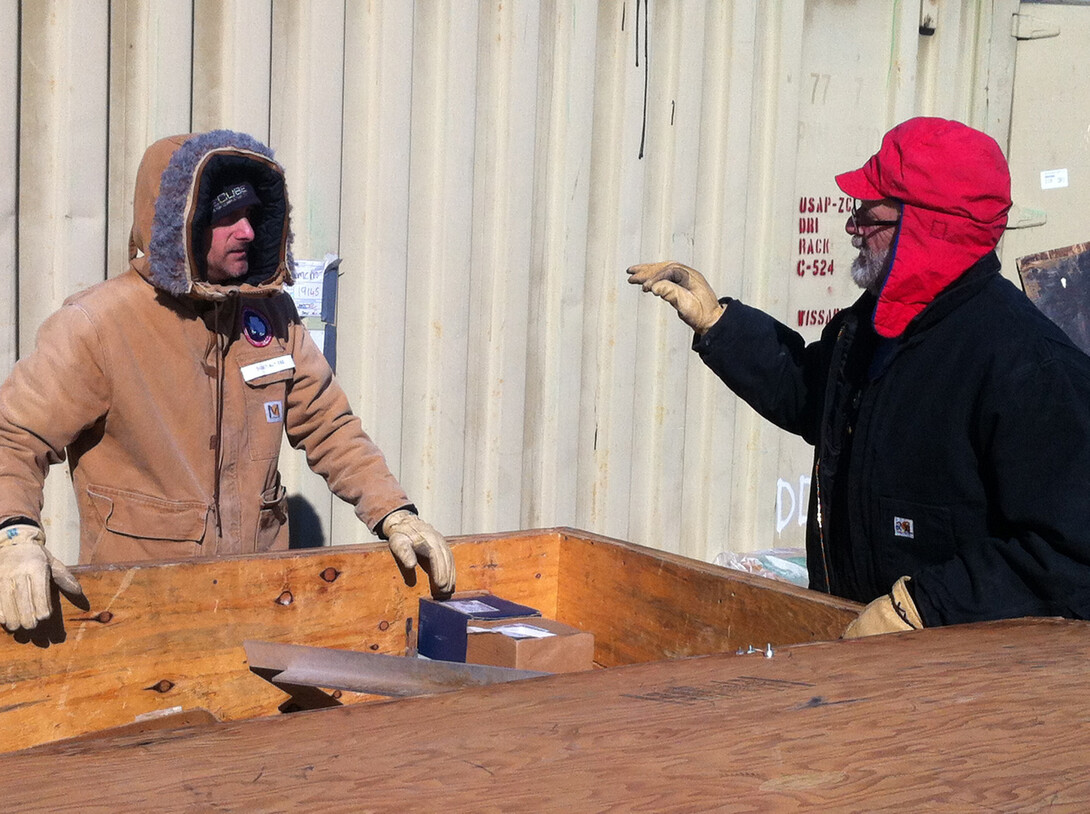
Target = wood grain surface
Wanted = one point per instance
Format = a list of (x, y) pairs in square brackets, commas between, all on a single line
[(989, 717), (168, 637), (644, 604)]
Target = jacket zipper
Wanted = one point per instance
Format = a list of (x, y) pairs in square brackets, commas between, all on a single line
[(221, 350), (820, 514)]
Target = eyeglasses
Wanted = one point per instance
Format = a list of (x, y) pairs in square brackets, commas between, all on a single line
[(859, 222)]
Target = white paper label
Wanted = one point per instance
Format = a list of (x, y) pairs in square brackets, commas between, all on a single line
[(515, 631), (1054, 179), (267, 366), (470, 606)]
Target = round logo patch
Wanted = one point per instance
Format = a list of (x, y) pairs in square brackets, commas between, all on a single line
[(256, 328)]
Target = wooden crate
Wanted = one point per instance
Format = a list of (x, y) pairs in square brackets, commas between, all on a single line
[(168, 637)]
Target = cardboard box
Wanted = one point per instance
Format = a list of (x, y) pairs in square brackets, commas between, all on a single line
[(441, 633), (530, 643)]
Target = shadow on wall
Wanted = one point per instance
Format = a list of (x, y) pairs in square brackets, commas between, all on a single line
[(303, 525)]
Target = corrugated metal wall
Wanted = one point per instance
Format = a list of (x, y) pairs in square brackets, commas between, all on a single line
[(487, 171)]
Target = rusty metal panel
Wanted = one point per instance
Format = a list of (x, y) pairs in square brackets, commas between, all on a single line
[(150, 78), (499, 285), (233, 45), (305, 130), (63, 107), (1050, 169), (374, 215), (556, 307), (9, 176), (438, 277)]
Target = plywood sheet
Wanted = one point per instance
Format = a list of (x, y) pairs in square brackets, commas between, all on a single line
[(989, 717)]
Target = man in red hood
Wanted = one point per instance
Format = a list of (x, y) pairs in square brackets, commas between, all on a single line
[(950, 418)]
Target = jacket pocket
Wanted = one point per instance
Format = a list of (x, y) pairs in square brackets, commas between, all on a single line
[(272, 517), (136, 526), (919, 533), (265, 414)]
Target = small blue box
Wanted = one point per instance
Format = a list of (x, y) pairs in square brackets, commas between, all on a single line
[(441, 633)]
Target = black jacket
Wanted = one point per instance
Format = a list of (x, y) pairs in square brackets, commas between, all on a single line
[(957, 454)]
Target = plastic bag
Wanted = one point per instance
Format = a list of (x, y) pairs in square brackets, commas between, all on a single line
[(784, 564)]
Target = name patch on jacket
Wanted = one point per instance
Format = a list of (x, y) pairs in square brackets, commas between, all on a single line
[(267, 366), (904, 527), (256, 328)]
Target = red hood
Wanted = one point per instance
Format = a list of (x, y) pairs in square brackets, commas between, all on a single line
[(954, 187)]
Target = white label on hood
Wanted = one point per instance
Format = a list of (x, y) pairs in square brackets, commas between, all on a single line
[(1054, 179), (267, 366)]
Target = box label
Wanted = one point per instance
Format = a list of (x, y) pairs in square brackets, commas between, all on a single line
[(515, 631), (470, 606)]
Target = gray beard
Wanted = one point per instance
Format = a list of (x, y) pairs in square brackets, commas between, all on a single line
[(868, 269)]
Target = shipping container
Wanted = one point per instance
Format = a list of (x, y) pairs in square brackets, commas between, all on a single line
[(486, 171)]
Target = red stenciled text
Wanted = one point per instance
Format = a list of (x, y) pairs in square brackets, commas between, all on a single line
[(815, 316)]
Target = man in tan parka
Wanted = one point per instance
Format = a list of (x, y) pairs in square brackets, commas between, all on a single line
[(169, 387)]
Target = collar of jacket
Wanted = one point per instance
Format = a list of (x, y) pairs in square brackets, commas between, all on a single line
[(949, 299), (955, 294), (176, 181)]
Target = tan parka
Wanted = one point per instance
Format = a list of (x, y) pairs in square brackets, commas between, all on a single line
[(170, 395)]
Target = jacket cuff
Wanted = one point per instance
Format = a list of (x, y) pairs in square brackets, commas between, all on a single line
[(702, 343), (923, 606), (378, 526), (19, 520)]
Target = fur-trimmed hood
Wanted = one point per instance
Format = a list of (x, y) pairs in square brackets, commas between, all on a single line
[(175, 184)]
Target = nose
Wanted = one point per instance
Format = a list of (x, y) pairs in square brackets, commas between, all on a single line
[(244, 230), (850, 226)]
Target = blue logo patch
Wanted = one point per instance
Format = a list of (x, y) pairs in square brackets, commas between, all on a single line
[(256, 328)]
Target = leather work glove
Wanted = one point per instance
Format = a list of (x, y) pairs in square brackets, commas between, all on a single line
[(891, 613), (682, 287), (26, 567), (409, 537)]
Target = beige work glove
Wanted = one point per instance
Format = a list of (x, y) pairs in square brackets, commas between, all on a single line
[(26, 568), (409, 537), (891, 613), (682, 287)]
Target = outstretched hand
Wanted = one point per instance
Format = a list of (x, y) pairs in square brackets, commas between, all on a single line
[(684, 288), (409, 537)]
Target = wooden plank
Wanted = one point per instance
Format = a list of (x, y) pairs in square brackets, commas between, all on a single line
[(152, 723), (674, 606), (982, 717), (170, 635)]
